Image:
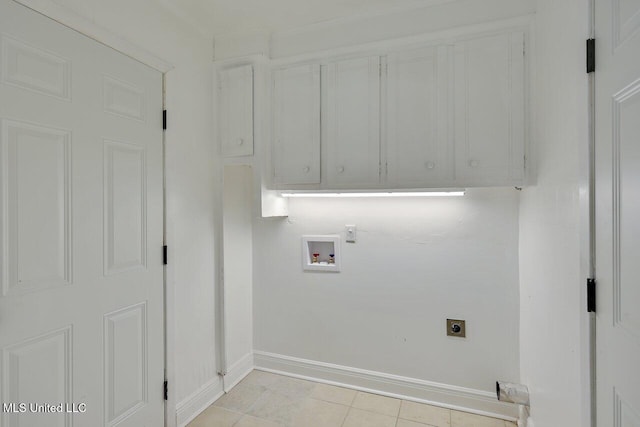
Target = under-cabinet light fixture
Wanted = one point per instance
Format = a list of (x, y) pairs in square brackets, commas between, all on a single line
[(456, 193)]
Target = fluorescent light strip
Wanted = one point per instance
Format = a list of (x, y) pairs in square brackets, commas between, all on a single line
[(387, 194)]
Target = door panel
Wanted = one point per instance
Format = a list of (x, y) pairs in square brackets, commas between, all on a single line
[(626, 208), (353, 122), (124, 207), (39, 368), (418, 150), (626, 20), (235, 110), (81, 227), (296, 144), (125, 355), (489, 109), (29, 67), (617, 210), (37, 161), (123, 99)]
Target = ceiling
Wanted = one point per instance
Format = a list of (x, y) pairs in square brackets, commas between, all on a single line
[(216, 17)]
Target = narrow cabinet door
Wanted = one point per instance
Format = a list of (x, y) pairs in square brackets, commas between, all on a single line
[(235, 110), (489, 109), (418, 153), (296, 125), (352, 112)]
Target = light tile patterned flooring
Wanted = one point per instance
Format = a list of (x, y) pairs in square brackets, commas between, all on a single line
[(267, 400)]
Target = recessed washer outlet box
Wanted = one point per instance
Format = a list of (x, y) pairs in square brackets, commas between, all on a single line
[(456, 328), (321, 253)]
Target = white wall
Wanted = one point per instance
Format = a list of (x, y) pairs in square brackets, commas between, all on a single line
[(416, 263), (403, 22), (553, 334), (238, 271), (190, 169)]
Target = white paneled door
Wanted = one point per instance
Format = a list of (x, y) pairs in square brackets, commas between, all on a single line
[(81, 275), (618, 212)]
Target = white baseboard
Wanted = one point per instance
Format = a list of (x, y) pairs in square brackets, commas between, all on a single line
[(238, 371), (448, 396), (194, 404)]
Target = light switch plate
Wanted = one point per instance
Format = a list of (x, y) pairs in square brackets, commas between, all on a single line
[(350, 233)]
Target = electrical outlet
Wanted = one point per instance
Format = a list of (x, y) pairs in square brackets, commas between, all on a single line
[(456, 328)]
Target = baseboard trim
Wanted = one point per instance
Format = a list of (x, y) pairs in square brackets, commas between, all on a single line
[(193, 405), (448, 396), (238, 371)]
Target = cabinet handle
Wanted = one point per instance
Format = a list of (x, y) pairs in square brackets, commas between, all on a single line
[(306, 169), (430, 165), (473, 163), (239, 141), (340, 169)]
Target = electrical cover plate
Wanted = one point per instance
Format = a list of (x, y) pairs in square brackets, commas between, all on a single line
[(456, 328), (350, 233)]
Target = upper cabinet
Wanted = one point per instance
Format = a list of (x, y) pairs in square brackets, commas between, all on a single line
[(446, 115), (351, 132), (296, 125), (489, 110), (235, 110), (418, 149)]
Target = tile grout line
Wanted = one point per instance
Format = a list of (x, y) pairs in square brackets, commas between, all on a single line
[(398, 414), (346, 416), (399, 408), (353, 399)]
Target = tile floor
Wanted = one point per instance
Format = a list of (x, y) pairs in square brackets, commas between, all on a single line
[(268, 400)]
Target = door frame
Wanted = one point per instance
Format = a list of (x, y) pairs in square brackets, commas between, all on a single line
[(111, 39)]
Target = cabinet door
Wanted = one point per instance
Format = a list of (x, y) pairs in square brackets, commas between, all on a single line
[(352, 119), (296, 125), (235, 110), (418, 153), (489, 110)]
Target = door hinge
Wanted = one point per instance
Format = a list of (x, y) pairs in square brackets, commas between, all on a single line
[(591, 295), (166, 390), (164, 255), (164, 119), (591, 55)]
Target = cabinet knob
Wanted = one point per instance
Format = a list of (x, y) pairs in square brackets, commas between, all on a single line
[(239, 141), (430, 165), (473, 163), (340, 169), (306, 169)]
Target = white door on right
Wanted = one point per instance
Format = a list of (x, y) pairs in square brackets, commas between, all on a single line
[(618, 212)]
